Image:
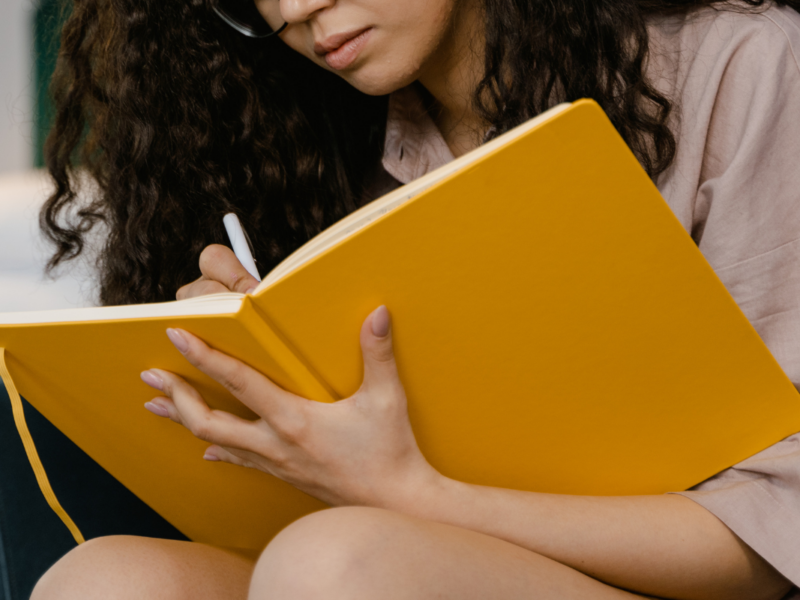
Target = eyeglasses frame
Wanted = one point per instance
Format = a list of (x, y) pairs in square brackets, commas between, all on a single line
[(244, 28)]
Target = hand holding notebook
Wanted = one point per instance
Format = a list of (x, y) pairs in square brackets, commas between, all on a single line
[(319, 448)]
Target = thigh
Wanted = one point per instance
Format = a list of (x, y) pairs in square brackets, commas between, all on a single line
[(127, 567), (361, 553)]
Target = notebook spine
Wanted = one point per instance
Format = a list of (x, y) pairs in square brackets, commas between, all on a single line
[(306, 382)]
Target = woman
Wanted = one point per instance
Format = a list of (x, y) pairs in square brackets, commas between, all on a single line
[(184, 121)]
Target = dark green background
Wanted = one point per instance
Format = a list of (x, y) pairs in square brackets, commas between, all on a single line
[(47, 22)]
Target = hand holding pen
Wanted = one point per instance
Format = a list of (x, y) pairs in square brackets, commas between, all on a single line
[(223, 269)]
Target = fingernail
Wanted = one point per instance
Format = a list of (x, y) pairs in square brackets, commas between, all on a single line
[(156, 409), (178, 340), (250, 291), (210, 457), (153, 380), (380, 322)]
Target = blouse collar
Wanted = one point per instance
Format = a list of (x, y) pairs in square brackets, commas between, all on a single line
[(414, 145)]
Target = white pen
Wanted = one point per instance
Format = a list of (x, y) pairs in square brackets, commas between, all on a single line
[(239, 243)]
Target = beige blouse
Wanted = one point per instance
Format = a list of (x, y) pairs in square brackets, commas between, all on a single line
[(735, 186)]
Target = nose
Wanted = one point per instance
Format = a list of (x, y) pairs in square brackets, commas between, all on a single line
[(298, 11)]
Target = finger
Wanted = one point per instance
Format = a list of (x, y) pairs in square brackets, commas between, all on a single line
[(219, 263), (218, 453), (183, 291), (275, 405), (234, 456), (201, 287), (380, 369), (184, 405)]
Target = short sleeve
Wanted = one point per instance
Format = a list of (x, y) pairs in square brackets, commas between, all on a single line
[(737, 190), (747, 211)]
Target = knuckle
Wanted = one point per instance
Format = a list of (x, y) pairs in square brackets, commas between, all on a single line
[(202, 432), (384, 356), (279, 459), (199, 355), (202, 429), (193, 355), (242, 282), (235, 380), (212, 255), (292, 428)]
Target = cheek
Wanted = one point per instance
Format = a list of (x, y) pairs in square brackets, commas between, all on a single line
[(385, 74), (298, 41), (271, 11), (412, 38)]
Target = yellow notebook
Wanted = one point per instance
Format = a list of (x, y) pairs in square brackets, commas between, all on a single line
[(555, 327)]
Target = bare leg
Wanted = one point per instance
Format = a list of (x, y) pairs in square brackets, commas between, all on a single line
[(131, 568), (352, 553), (370, 554)]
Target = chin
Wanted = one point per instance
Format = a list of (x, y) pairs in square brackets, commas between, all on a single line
[(378, 82)]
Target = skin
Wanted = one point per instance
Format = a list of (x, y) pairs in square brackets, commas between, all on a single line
[(398, 529)]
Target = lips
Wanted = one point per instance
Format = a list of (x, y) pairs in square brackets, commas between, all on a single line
[(341, 49)]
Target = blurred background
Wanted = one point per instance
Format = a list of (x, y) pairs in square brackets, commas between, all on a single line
[(31, 536), (29, 40)]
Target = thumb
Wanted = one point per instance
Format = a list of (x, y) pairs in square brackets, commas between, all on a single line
[(376, 348)]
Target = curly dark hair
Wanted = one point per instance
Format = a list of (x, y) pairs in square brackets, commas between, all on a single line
[(179, 120)]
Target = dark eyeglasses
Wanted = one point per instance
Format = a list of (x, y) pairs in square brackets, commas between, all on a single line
[(244, 17)]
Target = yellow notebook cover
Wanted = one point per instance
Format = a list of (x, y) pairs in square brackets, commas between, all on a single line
[(555, 327)]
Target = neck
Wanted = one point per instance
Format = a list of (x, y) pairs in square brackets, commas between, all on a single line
[(452, 76)]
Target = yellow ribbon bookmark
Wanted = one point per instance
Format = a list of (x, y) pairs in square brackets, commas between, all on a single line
[(30, 450)]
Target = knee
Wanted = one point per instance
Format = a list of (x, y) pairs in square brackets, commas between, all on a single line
[(118, 567), (336, 553), (72, 576)]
